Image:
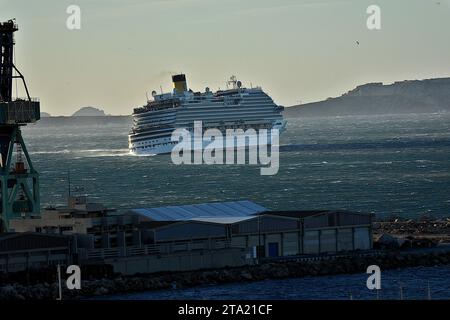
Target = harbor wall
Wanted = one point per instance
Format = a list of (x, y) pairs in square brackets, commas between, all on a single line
[(269, 269), (232, 257)]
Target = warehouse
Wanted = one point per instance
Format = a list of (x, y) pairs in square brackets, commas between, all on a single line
[(27, 251), (231, 234), (329, 231), (265, 233)]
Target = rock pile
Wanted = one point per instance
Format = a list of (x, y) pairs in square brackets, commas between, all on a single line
[(423, 227), (388, 241)]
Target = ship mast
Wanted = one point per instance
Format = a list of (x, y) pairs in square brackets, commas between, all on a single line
[(234, 82)]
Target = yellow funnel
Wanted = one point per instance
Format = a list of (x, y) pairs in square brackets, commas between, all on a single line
[(179, 82)]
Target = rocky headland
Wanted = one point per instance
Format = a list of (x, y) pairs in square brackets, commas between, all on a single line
[(409, 96)]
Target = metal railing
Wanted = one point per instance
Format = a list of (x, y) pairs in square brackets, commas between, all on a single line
[(156, 249), (19, 111), (33, 99), (326, 256)]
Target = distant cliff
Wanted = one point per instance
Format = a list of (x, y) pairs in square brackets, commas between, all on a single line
[(85, 121), (410, 96), (89, 112)]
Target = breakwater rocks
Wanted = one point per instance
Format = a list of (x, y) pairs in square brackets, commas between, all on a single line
[(268, 270), (432, 228)]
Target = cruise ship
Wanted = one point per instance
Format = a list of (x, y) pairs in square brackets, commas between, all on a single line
[(234, 108)]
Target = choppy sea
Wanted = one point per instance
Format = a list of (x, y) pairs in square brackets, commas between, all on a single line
[(396, 165)]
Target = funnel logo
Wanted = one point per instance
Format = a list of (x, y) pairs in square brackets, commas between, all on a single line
[(211, 146)]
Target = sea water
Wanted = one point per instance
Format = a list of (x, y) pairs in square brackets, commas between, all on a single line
[(388, 165)]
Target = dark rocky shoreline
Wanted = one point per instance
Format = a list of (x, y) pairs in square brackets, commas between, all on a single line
[(267, 270)]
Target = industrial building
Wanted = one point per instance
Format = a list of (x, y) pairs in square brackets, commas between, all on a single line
[(216, 235), (271, 233), (28, 251), (93, 224), (198, 236)]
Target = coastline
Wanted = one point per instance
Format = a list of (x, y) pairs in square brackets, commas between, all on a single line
[(286, 268)]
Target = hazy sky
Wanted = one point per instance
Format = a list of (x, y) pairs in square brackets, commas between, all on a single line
[(297, 50)]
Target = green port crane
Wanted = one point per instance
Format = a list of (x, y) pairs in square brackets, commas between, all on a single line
[(19, 181)]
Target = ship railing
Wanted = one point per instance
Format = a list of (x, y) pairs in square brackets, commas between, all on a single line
[(156, 249)]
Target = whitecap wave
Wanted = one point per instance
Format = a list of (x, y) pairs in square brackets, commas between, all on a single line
[(51, 152)]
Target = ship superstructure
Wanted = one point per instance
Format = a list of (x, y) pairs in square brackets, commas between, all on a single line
[(234, 108)]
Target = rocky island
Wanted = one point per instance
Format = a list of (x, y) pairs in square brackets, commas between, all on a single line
[(45, 115), (89, 112)]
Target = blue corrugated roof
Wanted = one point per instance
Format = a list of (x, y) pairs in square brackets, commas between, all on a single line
[(203, 210), (223, 220)]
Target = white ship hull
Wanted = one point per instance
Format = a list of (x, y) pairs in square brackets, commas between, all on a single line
[(163, 146)]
